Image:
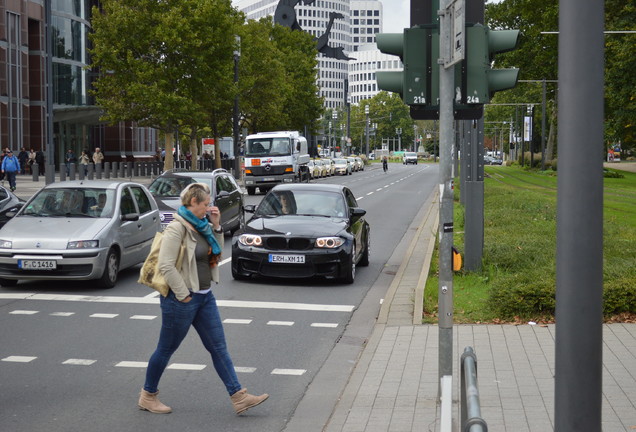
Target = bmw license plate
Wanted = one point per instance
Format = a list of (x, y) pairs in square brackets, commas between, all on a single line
[(287, 259), (37, 264)]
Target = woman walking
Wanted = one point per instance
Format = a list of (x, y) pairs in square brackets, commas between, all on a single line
[(190, 301)]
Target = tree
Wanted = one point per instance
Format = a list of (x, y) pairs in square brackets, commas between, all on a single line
[(161, 62)]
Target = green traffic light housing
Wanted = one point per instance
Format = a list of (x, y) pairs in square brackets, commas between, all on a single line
[(411, 82), (480, 81)]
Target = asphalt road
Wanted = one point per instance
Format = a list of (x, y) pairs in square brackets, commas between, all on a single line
[(73, 356)]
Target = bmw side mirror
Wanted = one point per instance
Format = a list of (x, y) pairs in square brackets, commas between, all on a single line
[(357, 212)]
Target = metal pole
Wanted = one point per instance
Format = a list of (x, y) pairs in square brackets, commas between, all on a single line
[(366, 127), (543, 108), (446, 135), (235, 114), (49, 150), (579, 263)]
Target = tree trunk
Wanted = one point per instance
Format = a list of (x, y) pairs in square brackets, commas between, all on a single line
[(551, 136), (168, 163)]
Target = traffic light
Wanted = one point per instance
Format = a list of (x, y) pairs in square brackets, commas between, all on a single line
[(479, 80), (411, 82)]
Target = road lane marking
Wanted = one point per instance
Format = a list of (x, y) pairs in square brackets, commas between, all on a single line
[(146, 300), (239, 369), (18, 359), (23, 312), (186, 366), (237, 321), (62, 314), (132, 364), (103, 315), (143, 317), (324, 325), (280, 323), (295, 372), (79, 362)]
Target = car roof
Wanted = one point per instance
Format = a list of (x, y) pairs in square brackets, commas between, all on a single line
[(324, 187), (204, 174), (90, 184)]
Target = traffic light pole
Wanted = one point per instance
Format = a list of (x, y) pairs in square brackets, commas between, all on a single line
[(446, 145), (579, 259)]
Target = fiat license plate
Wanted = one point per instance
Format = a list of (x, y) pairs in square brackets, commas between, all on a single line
[(37, 264), (287, 259)]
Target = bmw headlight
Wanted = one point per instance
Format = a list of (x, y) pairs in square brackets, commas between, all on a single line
[(329, 242), (250, 240), (83, 244), (6, 244)]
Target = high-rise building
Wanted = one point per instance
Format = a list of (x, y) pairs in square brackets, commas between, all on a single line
[(355, 33), (366, 22), (23, 90), (315, 19)]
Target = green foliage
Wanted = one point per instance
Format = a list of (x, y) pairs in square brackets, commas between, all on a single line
[(518, 276)]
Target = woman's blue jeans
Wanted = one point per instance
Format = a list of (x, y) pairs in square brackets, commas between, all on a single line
[(203, 314)]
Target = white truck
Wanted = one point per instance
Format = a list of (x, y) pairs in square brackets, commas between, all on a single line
[(275, 157)]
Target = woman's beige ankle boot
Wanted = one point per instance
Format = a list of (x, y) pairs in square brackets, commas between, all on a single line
[(150, 402), (243, 401)]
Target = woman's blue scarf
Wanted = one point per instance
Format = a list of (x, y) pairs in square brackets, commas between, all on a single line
[(202, 226)]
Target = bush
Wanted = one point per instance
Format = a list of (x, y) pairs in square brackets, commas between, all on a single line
[(525, 295), (618, 296), (609, 173)]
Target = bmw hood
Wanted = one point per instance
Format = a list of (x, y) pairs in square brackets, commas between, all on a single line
[(51, 233), (299, 226)]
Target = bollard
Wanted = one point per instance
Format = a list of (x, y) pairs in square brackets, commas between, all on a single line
[(80, 172), (98, 171), (129, 169), (135, 169), (62, 172), (114, 169), (106, 170), (122, 169), (72, 171), (91, 171), (35, 171)]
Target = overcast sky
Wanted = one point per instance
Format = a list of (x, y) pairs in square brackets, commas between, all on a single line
[(397, 15)]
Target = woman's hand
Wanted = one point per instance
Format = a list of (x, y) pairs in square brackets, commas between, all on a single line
[(214, 215)]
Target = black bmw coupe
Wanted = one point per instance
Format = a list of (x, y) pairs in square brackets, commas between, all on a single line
[(301, 231)]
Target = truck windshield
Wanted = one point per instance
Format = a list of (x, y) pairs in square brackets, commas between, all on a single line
[(268, 147)]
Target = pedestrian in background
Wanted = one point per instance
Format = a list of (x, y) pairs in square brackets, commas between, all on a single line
[(23, 156), (31, 160), (68, 160), (39, 159), (10, 167), (190, 301), (84, 160), (98, 157)]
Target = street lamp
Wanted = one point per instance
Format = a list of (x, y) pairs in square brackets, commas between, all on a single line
[(334, 116), (235, 114), (398, 131), (366, 128)]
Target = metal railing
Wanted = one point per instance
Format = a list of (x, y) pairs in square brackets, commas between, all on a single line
[(471, 420)]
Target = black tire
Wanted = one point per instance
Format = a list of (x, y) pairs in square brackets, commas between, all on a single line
[(364, 259), (109, 277), (251, 191), (351, 267), (8, 282)]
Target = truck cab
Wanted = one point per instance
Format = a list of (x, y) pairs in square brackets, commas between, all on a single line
[(275, 157)]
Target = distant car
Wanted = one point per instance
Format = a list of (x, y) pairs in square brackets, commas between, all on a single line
[(314, 169), (331, 166), (360, 163), (323, 167), (303, 230), (354, 165), (409, 158), (342, 166), (9, 203), (491, 160), (77, 230), (226, 195)]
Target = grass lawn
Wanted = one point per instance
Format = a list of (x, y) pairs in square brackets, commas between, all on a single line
[(517, 280)]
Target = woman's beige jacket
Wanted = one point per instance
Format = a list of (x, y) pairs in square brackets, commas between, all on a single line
[(185, 279)]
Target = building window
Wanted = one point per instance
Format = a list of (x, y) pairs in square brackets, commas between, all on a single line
[(14, 82)]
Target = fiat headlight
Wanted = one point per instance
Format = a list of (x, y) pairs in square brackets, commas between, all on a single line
[(83, 244), (250, 240), (329, 242)]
